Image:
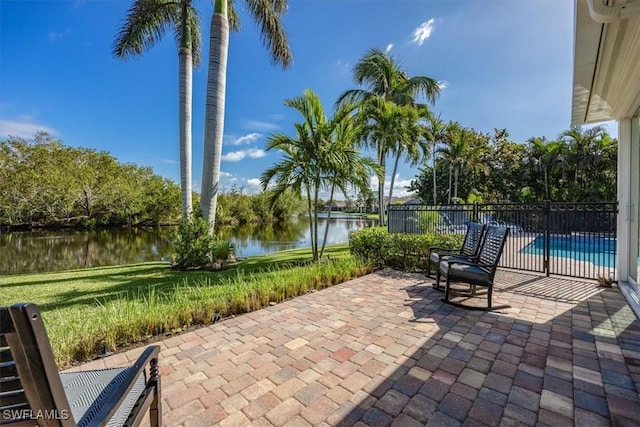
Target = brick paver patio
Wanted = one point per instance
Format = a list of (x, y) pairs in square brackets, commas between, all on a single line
[(384, 350)]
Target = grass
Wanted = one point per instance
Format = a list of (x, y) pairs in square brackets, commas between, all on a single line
[(85, 310)]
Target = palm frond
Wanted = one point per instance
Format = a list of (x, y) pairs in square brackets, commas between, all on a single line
[(266, 13), (353, 96), (421, 85), (191, 38), (146, 23), (232, 17)]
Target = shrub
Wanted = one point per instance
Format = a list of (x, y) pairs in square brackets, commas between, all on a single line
[(193, 244), (221, 249), (378, 247)]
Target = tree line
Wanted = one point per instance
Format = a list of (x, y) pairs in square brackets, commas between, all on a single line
[(45, 183), (579, 166)]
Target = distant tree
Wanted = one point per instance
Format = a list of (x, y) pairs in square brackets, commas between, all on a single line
[(48, 183), (543, 156), (588, 154)]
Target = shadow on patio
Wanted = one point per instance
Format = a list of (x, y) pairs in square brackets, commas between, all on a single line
[(565, 353), (383, 349)]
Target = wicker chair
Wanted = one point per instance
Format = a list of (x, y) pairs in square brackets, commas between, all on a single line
[(34, 393), (476, 271), (470, 247)]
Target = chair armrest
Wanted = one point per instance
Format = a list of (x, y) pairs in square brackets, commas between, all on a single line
[(439, 249), (452, 252), (470, 263), (120, 393)]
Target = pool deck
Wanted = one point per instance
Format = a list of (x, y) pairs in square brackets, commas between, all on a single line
[(384, 350)]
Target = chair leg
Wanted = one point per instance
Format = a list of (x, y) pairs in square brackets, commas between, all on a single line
[(446, 289), (155, 411), (489, 291), (436, 285)]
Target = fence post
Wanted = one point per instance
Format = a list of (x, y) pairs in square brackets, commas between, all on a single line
[(547, 211), (476, 214)]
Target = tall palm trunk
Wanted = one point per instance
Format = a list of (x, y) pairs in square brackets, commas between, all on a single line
[(546, 184), (310, 209), (393, 178), (326, 227), (456, 175), (434, 174), (315, 220), (214, 110), (185, 93), (450, 178), (381, 160)]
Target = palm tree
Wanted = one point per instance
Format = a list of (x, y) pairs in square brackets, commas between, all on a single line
[(267, 15), (344, 166), (585, 147), (382, 122), (435, 133), (322, 155), (382, 77), (451, 152), (411, 143), (543, 155), (145, 25)]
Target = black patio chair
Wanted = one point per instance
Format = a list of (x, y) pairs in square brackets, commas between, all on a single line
[(470, 248), (475, 271), (34, 393)]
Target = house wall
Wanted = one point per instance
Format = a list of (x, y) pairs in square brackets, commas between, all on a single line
[(629, 210), (634, 243), (628, 194)]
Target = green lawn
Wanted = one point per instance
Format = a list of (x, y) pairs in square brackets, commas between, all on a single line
[(81, 288), (124, 305)]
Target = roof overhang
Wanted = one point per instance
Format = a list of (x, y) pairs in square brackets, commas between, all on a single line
[(606, 70)]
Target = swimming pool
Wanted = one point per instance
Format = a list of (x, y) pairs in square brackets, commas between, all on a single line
[(600, 251)]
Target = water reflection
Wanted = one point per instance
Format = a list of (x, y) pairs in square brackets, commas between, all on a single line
[(42, 251)]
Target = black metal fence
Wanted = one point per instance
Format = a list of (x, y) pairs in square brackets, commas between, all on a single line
[(568, 239)]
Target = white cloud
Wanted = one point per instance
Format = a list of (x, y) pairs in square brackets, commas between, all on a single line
[(236, 156), (424, 31), (399, 185), (256, 153), (342, 67), (225, 174), (246, 139), (23, 129), (169, 161), (389, 47), (254, 186), (55, 36), (257, 125)]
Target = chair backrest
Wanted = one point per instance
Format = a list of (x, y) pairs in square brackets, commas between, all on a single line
[(472, 239), (492, 246), (31, 385)]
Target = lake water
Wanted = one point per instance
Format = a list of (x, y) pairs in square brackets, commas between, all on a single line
[(44, 251)]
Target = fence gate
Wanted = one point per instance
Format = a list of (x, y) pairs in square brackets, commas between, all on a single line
[(568, 239)]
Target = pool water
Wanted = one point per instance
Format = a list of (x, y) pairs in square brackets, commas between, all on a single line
[(600, 251)]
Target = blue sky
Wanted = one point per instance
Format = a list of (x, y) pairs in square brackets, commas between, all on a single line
[(504, 63)]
